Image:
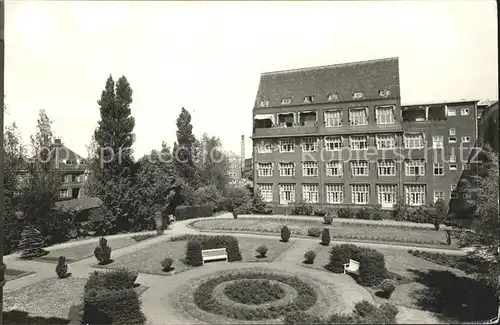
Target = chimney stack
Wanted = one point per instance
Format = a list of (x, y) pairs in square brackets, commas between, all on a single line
[(57, 142)]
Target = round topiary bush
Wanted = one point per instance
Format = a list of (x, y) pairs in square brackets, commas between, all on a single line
[(309, 257), (254, 292), (314, 232)]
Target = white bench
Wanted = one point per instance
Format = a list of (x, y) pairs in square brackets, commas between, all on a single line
[(352, 267), (214, 254)]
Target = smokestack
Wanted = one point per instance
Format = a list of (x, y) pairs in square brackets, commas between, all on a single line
[(57, 142)]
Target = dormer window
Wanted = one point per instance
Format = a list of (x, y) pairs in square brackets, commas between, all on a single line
[(308, 99), (264, 103), (261, 104), (286, 101), (357, 95), (333, 96), (384, 93)]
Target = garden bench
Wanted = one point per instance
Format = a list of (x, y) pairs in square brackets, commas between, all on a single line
[(352, 267), (214, 254)]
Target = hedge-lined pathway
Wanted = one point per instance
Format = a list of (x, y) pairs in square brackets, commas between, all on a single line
[(159, 300)]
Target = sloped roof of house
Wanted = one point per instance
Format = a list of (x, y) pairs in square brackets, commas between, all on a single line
[(79, 204), (343, 80)]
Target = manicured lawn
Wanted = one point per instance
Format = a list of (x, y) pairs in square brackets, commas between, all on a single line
[(12, 274), (148, 260), (80, 252), (339, 230), (51, 297)]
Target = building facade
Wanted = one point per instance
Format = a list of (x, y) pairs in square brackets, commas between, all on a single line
[(337, 135)]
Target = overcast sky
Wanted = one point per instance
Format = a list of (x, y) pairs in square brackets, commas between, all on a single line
[(208, 56)]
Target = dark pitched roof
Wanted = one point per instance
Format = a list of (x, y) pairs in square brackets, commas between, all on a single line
[(79, 204), (344, 79)]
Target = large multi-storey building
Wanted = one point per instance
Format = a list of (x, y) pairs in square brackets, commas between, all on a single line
[(337, 135)]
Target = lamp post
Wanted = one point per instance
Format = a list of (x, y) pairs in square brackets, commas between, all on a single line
[(2, 59)]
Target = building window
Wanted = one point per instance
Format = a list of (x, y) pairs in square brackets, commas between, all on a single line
[(438, 169), (453, 158), (334, 168), (287, 145), (310, 193), (387, 194), (333, 143), (415, 167), (386, 168), (308, 99), (287, 169), (385, 115), (286, 101), (333, 96), (466, 166), (309, 168), (266, 192), (453, 167), (63, 193), (464, 111), (333, 118), (465, 139), (385, 141), (452, 112), (264, 146), (265, 169), (359, 168), (287, 193), (360, 193), (438, 195), (414, 141), (384, 93), (358, 116), (415, 195), (437, 142), (358, 142), (452, 140), (334, 193), (454, 195), (357, 95), (67, 179), (309, 144), (453, 131)]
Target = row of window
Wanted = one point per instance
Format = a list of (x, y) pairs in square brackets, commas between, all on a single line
[(358, 168), (330, 97), (360, 193), (74, 178), (358, 142)]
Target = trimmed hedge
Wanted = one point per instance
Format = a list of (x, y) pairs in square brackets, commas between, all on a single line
[(191, 212), (193, 252), (314, 232), (110, 299)]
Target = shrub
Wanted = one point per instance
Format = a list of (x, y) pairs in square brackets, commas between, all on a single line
[(386, 287), (325, 237), (327, 220), (384, 314), (212, 242), (364, 308), (420, 215), (159, 223), (238, 199), (363, 214), (399, 211), (309, 257), (193, 253), (302, 209), (340, 255), (31, 243), (299, 317), (285, 234), (262, 250), (111, 280), (320, 212), (235, 215), (440, 213), (375, 213), (191, 212), (314, 232), (345, 213), (371, 267), (208, 195), (166, 264), (103, 252), (448, 236), (62, 267), (254, 292), (259, 206)]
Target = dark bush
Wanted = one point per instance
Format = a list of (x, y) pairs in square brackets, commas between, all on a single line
[(345, 213), (319, 212), (372, 268), (259, 206), (325, 237), (235, 215), (62, 267), (301, 318), (262, 250), (166, 264), (285, 234), (364, 308), (340, 255), (448, 236), (302, 209), (254, 292), (103, 252), (212, 242), (363, 214), (111, 280), (209, 195), (191, 212), (309, 257), (375, 213), (386, 287), (327, 220), (314, 232), (193, 253), (422, 214), (238, 199)]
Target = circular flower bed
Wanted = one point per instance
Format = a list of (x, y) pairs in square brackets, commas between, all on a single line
[(254, 292), (283, 294)]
